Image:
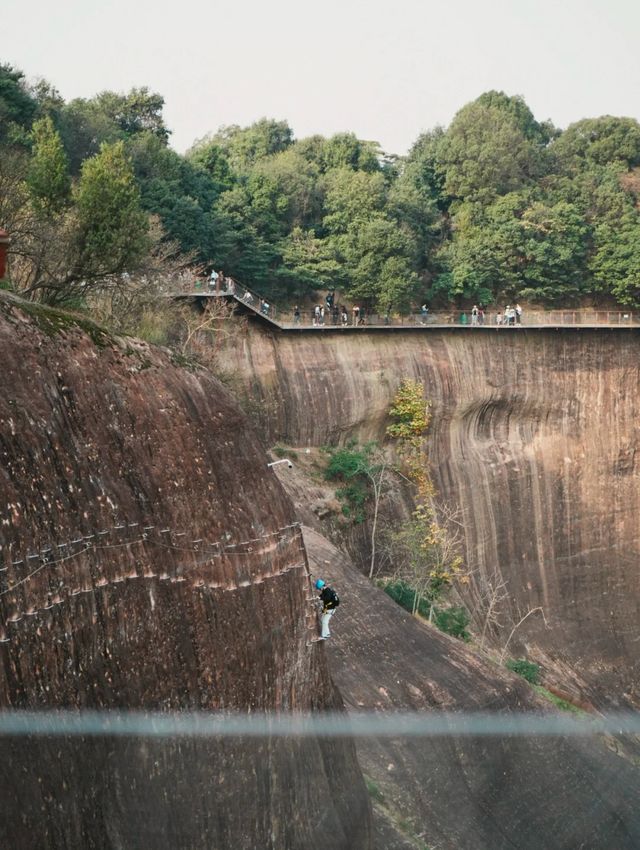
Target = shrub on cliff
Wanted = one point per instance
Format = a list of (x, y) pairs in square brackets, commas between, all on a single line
[(354, 467), (527, 669), (453, 620)]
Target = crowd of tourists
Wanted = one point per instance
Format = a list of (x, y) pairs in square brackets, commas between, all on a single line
[(511, 315), (330, 312)]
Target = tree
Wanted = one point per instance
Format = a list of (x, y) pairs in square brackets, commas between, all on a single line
[(428, 563), (83, 129), (425, 167), (424, 550), (518, 246), (48, 177), (17, 106), (112, 227), (378, 254), (213, 159), (308, 260), (488, 152), (296, 180), (598, 141), (515, 107), (345, 150), (138, 111), (109, 117), (247, 145), (362, 470)]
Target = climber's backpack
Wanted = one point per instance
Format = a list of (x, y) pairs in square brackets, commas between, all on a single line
[(330, 598)]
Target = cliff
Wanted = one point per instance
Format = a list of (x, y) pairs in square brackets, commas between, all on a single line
[(464, 792), (534, 440), (150, 560)]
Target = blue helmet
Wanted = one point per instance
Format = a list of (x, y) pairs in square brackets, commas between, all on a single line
[(320, 584)]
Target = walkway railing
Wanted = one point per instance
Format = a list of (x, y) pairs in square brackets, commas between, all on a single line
[(332, 319), (241, 293)]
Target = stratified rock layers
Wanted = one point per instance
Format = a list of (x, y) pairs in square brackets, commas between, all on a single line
[(534, 439), (150, 561)]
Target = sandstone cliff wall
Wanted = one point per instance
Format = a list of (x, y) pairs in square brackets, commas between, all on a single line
[(534, 438), (150, 560), (465, 793)]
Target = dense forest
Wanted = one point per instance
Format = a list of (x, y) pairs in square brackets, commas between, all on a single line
[(496, 206)]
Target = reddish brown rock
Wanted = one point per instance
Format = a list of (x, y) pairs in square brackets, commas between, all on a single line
[(534, 438), (150, 560), (458, 792)]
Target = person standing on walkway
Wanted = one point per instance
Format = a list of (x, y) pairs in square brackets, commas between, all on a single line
[(296, 315), (474, 314), (518, 314), (330, 602)]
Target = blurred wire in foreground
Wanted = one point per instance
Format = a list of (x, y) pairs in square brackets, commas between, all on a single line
[(327, 725)]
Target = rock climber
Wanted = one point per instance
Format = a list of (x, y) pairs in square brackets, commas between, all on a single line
[(330, 602)]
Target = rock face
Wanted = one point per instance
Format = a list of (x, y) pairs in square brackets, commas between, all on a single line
[(535, 439), (150, 560), (464, 793)]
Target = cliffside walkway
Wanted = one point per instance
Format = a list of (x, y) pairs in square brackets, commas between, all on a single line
[(270, 315)]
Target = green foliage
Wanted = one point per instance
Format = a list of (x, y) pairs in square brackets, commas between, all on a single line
[(213, 159), (409, 412), (374, 791), (407, 598), (527, 669), (453, 621), (599, 142), (17, 106), (246, 146), (491, 148), (560, 703), (48, 177), (496, 207), (139, 111), (283, 451), (109, 117), (518, 246), (353, 466), (113, 229)]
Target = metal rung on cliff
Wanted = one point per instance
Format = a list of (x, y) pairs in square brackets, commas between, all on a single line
[(269, 315)]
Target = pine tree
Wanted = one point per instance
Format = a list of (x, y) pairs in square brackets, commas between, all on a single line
[(113, 228), (48, 176)]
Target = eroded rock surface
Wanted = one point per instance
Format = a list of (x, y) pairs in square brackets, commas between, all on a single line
[(464, 793), (534, 439), (151, 561)]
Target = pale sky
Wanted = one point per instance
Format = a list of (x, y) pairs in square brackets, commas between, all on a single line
[(384, 70)]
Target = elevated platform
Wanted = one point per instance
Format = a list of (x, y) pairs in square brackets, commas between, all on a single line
[(252, 305)]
